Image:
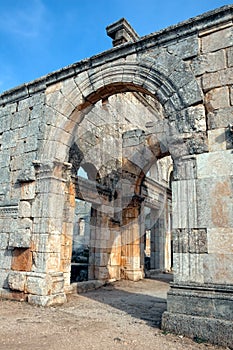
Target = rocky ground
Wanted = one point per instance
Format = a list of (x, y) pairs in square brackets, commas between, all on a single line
[(123, 315)]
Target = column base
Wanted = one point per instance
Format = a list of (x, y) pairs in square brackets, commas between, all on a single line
[(211, 330), (133, 275), (200, 311)]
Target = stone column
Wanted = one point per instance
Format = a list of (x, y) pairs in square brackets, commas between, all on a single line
[(200, 302), (51, 237), (130, 260)]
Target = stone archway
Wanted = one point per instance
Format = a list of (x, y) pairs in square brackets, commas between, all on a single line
[(187, 70), (68, 102)]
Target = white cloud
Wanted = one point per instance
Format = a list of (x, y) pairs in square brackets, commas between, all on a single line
[(26, 21)]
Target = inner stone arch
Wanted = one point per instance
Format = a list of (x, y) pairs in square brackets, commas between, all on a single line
[(115, 139), (164, 77)]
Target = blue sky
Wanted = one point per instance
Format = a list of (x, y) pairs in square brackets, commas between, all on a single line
[(40, 36)]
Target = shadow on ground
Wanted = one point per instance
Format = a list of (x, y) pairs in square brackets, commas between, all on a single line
[(143, 300)]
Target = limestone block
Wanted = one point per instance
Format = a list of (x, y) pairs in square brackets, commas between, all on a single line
[(211, 62), (230, 57), (71, 92), (114, 272), (43, 225), (65, 267), (24, 209), (47, 186), (32, 101), (36, 112), (58, 102), (184, 204), (217, 140), (220, 118), (9, 139), (101, 273), (191, 93), (30, 144), (4, 159), (17, 280), (22, 237), (192, 119), (4, 238), (22, 259), (217, 79), (57, 283), (8, 226), (30, 130), (220, 163), (5, 258), (218, 268), (217, 40), (19, 119), (5, 123), (38, 284), (45, 262), (190, 241), (181, 267), (220, 240), (4, 279), (48, 206), (56, 299), (185, 48), (48, 243), (84, 84), (66, 252), (217, 98), (23, 162), (185, 168), (215, 202), (181, 75), (231, 95)]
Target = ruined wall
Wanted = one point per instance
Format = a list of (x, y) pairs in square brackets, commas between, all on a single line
[(186, 70)]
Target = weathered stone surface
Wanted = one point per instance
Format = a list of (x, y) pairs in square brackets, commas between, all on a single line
[(218, 268), (217, 79), (120, 119), (24, 209), (209, 329), (217, 139), (185, 48), (207, 63), (4, 239), (17, 280), (5, 258), (230, 57), (214, 202), (220, 118), (217, 98), (217, 40), (49, 300), (21, 260), (22, 237), (220, 240)]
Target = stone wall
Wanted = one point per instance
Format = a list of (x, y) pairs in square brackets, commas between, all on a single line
[(182, 78)]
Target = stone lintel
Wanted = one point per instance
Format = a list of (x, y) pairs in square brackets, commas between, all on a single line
[(121, 32)]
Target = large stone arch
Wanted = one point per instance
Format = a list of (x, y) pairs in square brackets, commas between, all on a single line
[(165, 77)]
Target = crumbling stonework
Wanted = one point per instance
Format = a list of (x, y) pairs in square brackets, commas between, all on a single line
[(117, 115)]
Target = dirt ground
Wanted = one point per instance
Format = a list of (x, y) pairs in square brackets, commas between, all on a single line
[(123, 315)]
